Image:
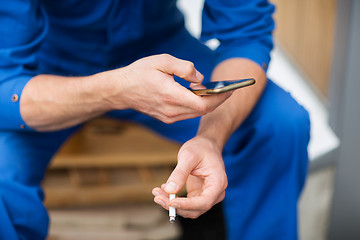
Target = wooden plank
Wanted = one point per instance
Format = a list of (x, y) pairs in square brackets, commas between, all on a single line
[(114, 160), (109, 162), (130, 221), (99, 195), (118, 144)]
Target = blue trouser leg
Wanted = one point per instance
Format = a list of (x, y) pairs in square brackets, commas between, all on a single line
[(266, 163), (24, 157)]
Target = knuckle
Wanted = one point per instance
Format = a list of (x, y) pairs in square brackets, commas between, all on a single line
[(186, 155), (189, 68), (207, 206), (226, 183), (166, 96), (168, 120), (202, 108), (194, 215), (171, 115), (165, 59), (222, 197), (165, 56)]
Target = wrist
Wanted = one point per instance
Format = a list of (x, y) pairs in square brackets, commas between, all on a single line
[(216, 126), (109, 87), (213, 137), (209, 143)]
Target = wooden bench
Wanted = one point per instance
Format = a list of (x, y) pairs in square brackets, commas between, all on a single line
[(108, 162)]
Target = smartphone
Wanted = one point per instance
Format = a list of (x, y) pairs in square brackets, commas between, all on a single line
[(222, 86)]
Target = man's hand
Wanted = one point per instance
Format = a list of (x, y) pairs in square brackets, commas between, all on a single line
[(200, 166), (148, 86)]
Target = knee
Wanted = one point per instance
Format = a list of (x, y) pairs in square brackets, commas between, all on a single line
[(291, 120), (284, 127), (279, 114), (289, 135), (277, 124), (292, 124)]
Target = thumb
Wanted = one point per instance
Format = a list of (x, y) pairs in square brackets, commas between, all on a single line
[(180, 174), (181, 68)]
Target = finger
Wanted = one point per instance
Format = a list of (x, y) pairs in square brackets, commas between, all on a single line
[(213, 101), (220, 198), (162, 202), (161, 198), (173, 113), (177, 179), (189, 214), (196, 213), (203, 201), (170, 120), (208, 103), (197, 86), (178, 95), (156, 191), (181, 68), (199, 203), (217, 99), (183, 97), (160, 192)]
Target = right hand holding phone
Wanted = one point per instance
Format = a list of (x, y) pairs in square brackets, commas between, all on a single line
[(148, 86)]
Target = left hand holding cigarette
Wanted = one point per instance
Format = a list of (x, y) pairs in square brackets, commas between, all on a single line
[(200, 166)]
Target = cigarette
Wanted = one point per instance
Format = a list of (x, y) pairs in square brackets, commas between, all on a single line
[(172, 210)]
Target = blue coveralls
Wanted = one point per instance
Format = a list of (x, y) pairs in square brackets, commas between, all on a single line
[(266, 158)]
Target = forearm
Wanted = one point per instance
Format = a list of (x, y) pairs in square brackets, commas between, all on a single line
[(51, 102), (223, 121)]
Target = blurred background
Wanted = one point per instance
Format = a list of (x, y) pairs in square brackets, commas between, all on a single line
[(99, 184)]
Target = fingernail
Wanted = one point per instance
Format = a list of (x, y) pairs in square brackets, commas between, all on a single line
[(156, 193), (171, 187)]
